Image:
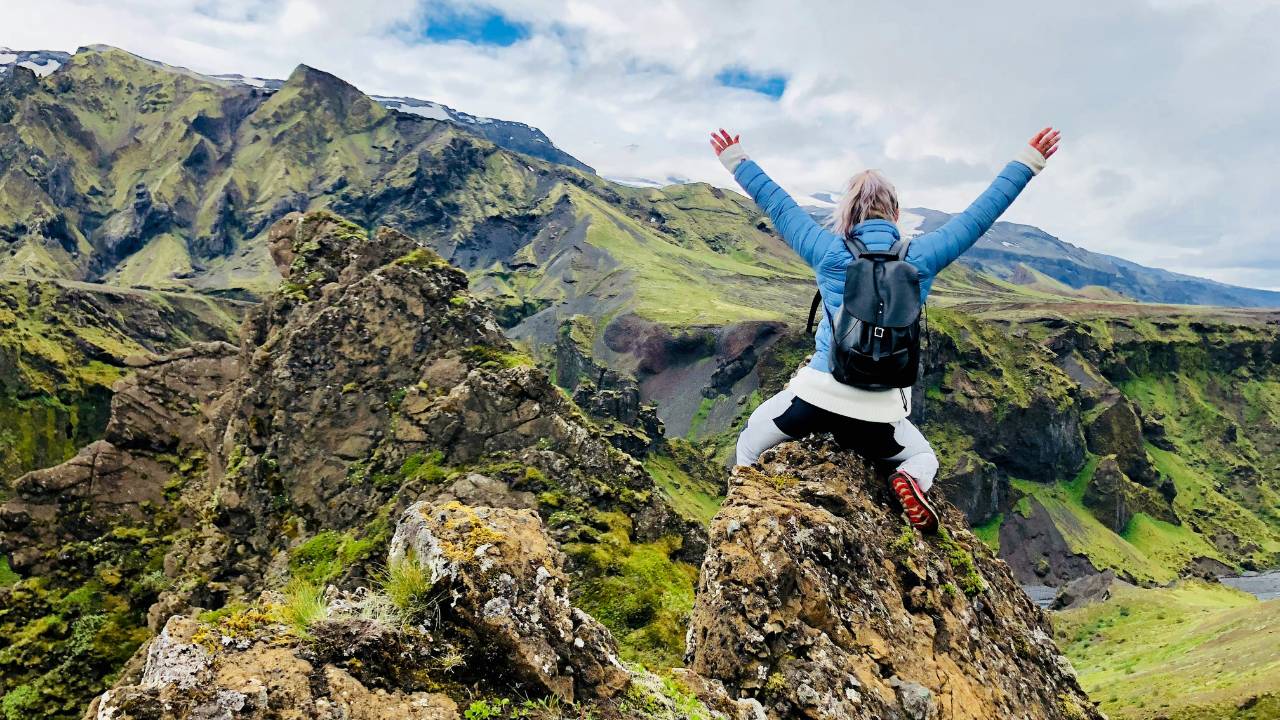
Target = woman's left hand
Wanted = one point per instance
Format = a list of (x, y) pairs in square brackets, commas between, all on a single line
[(1046, 142)]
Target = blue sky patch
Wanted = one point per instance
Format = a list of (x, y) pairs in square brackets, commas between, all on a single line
[(482, 27), (736, 77)]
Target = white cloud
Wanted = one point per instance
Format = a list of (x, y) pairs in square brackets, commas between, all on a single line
[(1167, 106)]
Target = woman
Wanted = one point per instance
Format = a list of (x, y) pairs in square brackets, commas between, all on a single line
[(872, 422)]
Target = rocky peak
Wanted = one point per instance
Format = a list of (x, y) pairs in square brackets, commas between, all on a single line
[(816, 600), (325, 95)]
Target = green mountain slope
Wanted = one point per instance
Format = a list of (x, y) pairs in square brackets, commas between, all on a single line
[(1191, 652)]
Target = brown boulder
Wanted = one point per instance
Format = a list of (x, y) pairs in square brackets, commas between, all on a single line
[(817, 600), (508, 584), (187, 677)]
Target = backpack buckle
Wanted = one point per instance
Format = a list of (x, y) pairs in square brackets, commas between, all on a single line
[(879, 332)]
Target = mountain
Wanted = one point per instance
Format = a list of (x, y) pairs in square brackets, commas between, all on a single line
[(515, 136)]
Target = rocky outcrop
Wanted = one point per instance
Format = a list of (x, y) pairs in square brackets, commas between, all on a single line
[(120, 480), (816, 600), (510, 588), (1113, 498), (371, 380), (1116, 430), (608, 395), (496, 621), (266, 675)]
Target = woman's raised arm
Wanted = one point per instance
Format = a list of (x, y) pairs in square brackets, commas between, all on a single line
[(805, 236), (935, 250)]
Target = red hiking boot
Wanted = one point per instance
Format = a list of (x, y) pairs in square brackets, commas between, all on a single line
[(919, 511)]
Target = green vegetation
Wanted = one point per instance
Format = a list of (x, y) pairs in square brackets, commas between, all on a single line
[(326, 555), (1085, 534), (989, 532), (304, 605), (1192, 652), (693, 497), (63, 347), (962, 565), (637, 590), (407, 583), (66, 632)]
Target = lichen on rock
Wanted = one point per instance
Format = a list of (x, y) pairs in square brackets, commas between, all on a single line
[(816, 600)]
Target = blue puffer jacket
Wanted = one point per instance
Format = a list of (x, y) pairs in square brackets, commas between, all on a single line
[(827, 255)]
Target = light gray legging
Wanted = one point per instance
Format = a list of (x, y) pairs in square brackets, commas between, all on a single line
[(916, 457)]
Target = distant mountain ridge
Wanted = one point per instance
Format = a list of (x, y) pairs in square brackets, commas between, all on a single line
[(1009, 247), (1009, 250), (508, 134)]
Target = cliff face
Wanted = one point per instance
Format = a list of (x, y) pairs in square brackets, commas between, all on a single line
[(63, 345), (816, 600)]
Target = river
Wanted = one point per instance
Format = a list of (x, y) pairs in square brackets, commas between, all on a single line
[(1264, 586)]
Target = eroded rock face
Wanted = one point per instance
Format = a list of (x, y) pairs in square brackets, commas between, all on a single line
[(1117, 431), (817, 600), (508, 585), (113, 482), (186, 678)]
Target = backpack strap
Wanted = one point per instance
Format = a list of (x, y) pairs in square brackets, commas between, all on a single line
[(857, 248), (813, 313), (899, 249)]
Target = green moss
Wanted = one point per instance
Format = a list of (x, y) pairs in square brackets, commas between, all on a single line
[(326, 555), (488, 356), (962, 565), (700, 417), (693, 497), (989, 532), (637, 590), (423, 258), (7, 575)]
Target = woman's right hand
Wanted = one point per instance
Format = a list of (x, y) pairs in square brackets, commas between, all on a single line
[(1046, 142), (723, 140), (728, 148)]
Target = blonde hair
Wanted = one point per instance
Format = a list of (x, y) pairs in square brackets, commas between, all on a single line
[(870, 195)]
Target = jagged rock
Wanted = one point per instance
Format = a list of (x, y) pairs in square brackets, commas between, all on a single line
[(507, 582), (1116, 430), (817, 600), (184, 678), (1113, 498), (1086, 591), (111, 482), (165, 402), (1107, 495), (372, 379), (976, 487)]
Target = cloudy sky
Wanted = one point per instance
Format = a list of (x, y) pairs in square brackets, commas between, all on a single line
[(1169, 108)]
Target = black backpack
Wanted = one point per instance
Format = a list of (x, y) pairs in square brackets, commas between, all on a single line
[(875, 342)]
